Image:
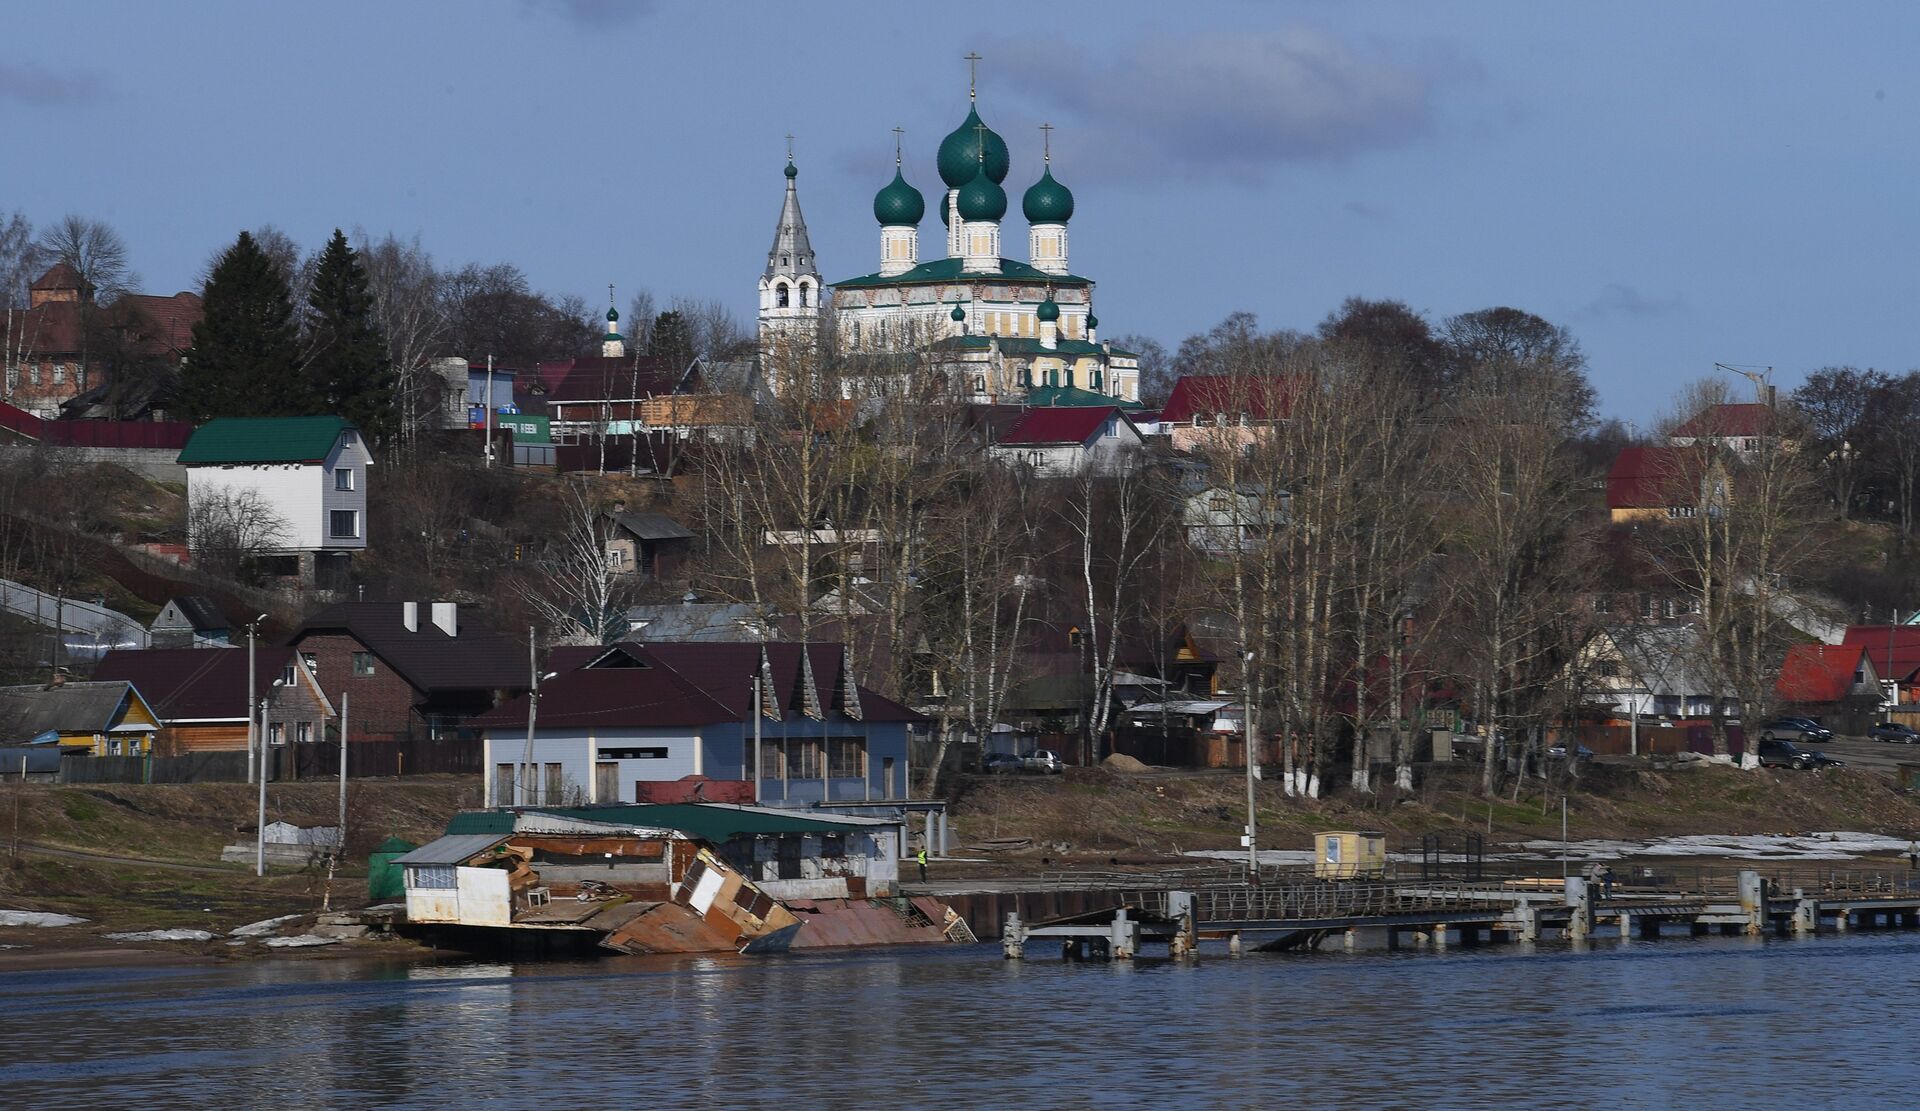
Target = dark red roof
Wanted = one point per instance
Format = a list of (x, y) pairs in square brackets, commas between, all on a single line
[(427, 658), (1061, 426), (1649, 477), (1265, 397), (1729, 420), (678, 683), (1818, 672), (603, 379), (195, 684), (59, 276), (164, 325)]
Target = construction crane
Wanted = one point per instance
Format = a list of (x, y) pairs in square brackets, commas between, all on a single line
[(1762, 389)]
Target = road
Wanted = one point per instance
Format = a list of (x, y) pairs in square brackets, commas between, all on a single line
[(1873, 755)]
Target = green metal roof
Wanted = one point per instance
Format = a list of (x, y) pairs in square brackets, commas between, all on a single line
[(1022, 345), (1073, 397), (714, 823), (949, 270), (264, 440)]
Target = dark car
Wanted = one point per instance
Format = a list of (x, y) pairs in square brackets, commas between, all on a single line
[(1894, 733), (1786, 754), (1796, 729), (1000, 763), (1559, 751)]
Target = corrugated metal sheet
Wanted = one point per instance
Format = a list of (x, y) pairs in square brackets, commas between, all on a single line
[(455, 848)]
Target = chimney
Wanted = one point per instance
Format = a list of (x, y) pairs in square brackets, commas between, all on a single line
[(410, 616), (446, 615)]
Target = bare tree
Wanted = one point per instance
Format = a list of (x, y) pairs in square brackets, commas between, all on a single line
[(575, 588), (410, 312), (19, 260), (94, 250), (229, 527)]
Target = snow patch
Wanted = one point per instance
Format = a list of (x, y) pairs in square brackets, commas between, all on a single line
[(162, 935), (37, 918), (261, 929), (300, 941)]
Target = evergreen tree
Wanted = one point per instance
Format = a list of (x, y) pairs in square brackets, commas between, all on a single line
[(671, 339), (348, 370), (245, 349)]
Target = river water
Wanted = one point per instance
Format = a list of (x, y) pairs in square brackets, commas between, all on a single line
[(1681, 1023)]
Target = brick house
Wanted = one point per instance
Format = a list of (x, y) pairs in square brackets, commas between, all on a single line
[(413, 670), (53, 351)]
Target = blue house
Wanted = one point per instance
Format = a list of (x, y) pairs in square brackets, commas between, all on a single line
[(779, 724)]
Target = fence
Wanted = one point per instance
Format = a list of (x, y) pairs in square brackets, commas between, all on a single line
[(96, 433), (319, 760)]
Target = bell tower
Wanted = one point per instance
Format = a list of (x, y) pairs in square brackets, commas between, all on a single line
[(790, 285)]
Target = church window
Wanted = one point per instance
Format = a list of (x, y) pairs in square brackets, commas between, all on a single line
[(1026, 378), (979, 383), (783, 260), (780, 296), (1069, 377), (803, 295), (1096, 378)]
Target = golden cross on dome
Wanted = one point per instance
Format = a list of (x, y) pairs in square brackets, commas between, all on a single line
[(980, 141), (973, 73), (789, 148), (897, 132), (1046, 142), (609, 294)]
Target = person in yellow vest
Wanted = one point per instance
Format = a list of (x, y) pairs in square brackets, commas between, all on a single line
[(921, 858)]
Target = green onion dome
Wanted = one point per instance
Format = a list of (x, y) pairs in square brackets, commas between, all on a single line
[(958, 314), (1048, 311), (613, 315), (791, 172), (1048, 201), (899, 203), (960, 153), (982, 198), (1092, 321)]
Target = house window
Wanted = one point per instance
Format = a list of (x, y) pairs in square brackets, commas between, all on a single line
[(59, 374), (1073, 636), (503, 777), (551, 789), (347, 438), (363, 664), (437, 877), (344, 523), (343, 478), (312, 661), (1218, 503), (772, 763), (803, 758), (847, 758), (303, 732), (286, 676), (277, 733)]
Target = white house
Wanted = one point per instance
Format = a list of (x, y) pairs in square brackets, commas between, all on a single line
[(288, 487), (1058, 443), (1220, 521)]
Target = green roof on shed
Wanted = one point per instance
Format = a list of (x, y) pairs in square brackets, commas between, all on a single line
[(263, 440), (716, 822)]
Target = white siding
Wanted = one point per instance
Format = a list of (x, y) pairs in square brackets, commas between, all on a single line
[(354, 459), (577, 751), (302, 494)]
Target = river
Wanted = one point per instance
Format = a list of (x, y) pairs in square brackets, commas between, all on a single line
[(1680, 1023)]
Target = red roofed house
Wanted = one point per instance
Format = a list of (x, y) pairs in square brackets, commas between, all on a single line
[(1831, 680), (677, 722), (602, 395), (1059, 443), (1204, 408), (1740, 428), (1659, 482), (1894, 653), (201, 698), (58, 348)]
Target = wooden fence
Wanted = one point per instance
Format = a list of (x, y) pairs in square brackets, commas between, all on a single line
[(319, 760)]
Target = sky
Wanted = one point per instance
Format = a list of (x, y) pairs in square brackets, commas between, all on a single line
[(1678, 184)]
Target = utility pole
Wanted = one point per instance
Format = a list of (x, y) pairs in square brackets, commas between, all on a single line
[(260, 834), (755, 711), (253, 628), (340, 843), (487, 451), (1893, 681), (525, 794)]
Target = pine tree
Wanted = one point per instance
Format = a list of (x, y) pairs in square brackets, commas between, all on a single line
[(671, 339), (348, 370), (245, 349)]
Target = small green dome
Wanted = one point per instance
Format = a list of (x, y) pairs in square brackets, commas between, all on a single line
[(1092, 321), (960, 153), (958, 314), (982, 198), (899, 203), (613, 315), (791, 172), (1048, 201), (1048, 312)]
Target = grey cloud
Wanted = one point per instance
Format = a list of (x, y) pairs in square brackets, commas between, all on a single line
[(1624, 300), (593, 13), (1235, 104), (47, 88)]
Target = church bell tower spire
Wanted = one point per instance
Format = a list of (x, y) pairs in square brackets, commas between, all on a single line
[(790, 284)]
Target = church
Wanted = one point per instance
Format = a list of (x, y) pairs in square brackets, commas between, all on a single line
[(1007, 331)]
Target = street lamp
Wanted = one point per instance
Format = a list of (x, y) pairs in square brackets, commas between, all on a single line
[(1246, 714), (253, 628), (260, 824)]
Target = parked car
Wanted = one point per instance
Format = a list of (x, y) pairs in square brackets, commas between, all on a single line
[(1001, 763), (1559, 751), (1786, 754), (1894, 733), (1796, 729), (1045, 761)]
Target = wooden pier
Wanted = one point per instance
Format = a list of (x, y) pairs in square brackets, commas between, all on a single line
[(1307, 914)]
